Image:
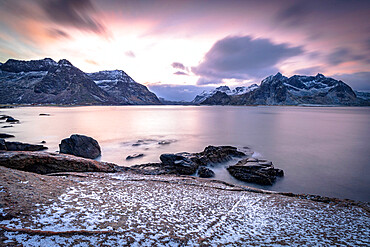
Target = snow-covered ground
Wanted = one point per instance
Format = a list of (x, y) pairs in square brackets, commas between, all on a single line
[(136, 210)]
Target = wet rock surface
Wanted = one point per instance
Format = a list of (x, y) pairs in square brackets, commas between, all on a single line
[(255, 171), (80, 145), (134, 156), (205, 172), (44, 163), (4, 135), (20, 146), (188, 163)]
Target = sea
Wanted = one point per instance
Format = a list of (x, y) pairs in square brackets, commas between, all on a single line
[(322, 150)]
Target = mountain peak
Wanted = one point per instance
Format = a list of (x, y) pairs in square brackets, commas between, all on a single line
[(320, 75), (65, 62)]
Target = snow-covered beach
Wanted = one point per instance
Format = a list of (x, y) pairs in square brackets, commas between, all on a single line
[(103, 209)]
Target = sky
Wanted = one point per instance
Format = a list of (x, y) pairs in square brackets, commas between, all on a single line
[(180, 48)]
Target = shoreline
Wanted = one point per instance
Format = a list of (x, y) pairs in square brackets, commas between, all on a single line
[(127, 208)]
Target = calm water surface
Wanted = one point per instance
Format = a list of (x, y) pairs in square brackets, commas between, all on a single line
[(323, 150)]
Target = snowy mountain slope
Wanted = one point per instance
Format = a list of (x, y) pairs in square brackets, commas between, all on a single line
[(280, 90), (223, 89), (46, 81)]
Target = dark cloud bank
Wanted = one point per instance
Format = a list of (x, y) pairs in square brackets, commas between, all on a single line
[(242, 57)]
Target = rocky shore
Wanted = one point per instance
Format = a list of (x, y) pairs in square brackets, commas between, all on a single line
[(126, 208), (62, 199)]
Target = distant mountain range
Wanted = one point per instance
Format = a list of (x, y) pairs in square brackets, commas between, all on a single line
[(48, 82), (281, 90)]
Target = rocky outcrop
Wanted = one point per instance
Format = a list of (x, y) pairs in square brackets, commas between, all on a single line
[(255, 171), (44, 163), (189, 163), (80, 145), (20, 146)]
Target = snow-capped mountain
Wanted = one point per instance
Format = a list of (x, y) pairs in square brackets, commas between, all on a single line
[(123, 88), (223, 89), (296, 90), (46, 81)]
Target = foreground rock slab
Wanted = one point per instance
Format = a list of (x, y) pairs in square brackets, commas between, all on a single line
[(129, 209), (80, 145), (257, 171), (43, 163)]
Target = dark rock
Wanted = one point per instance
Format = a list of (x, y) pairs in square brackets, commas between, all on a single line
[(213, 154), (188, 163), (12, 120), (164, 142), (80, 145), (134, 156), (255, 171), (7, 126), (43, 142), (179, 163), (205, 172), (2, 144), (44, 114), (43, 163), (3, 117), (19, 146), (3, 135)]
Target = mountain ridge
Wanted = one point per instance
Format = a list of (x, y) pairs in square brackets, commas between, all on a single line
[(45, 81), (295, 90)]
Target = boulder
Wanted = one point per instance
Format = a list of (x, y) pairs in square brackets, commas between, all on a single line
[(20, 146), (80, 145), (44, 163), (255, 171), (3, 135), (205, 172)]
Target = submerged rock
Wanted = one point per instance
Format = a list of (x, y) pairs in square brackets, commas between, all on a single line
[(4, 135), (12, 120), (20, 146), (80, 145), (134, 156), (205, 172), (255, 171)]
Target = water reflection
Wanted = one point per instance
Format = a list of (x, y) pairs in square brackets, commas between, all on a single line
[(322, 150)]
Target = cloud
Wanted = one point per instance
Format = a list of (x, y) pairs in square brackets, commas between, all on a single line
[(309, 71), (57, 33), (178, 66), (358, 81), (180, 73), (294, 14), (242, 57), (177, 92), (130, 54), (79, 14), (90, 61), (342, 55)]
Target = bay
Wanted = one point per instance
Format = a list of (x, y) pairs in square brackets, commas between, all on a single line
[(322, 150)]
